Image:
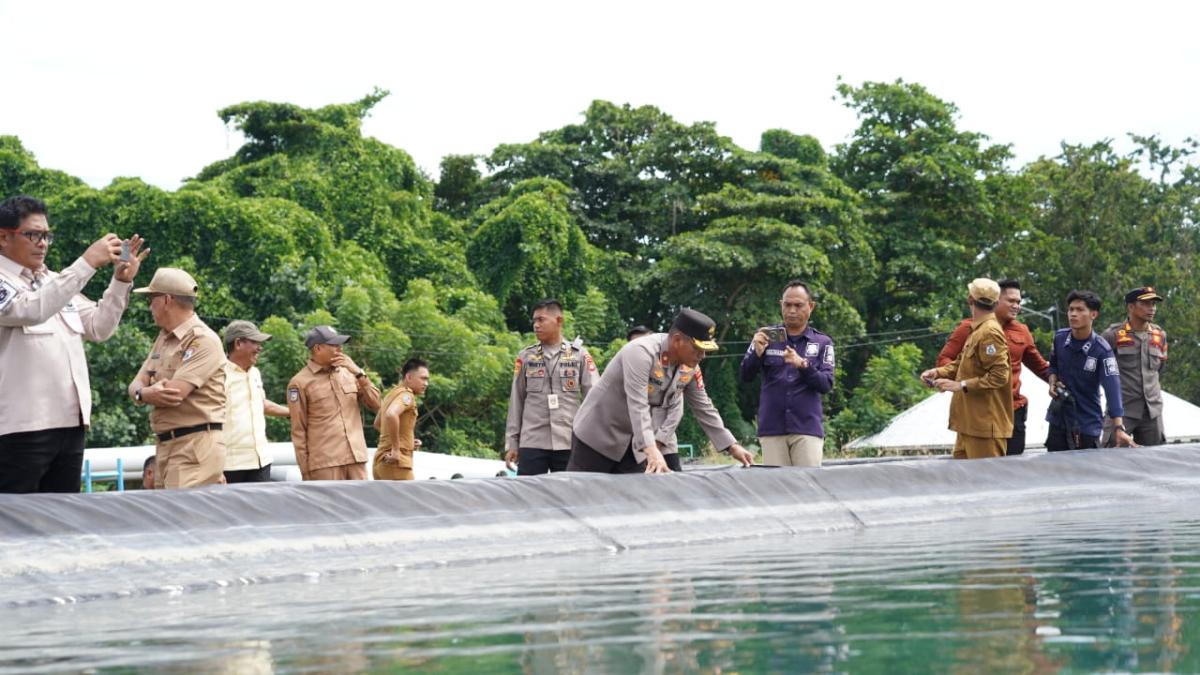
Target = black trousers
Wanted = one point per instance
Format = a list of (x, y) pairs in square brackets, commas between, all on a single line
[(262, 475), (47, 460), (536, 461), (1016, 444), (1056, 440), (586, 458)]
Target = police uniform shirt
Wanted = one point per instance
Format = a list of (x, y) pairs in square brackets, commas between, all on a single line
[(44, 382), (190, 353), (1085, 366), (618, 411), (790, 402), (327, 425), (1141, 356), (548, 385)]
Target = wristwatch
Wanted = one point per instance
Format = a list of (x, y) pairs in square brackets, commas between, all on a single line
[(963, 384), (361, 373), (137, 396)]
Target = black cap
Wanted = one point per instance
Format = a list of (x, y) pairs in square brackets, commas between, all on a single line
[(1145, 293), (697, 326), (324, 335)]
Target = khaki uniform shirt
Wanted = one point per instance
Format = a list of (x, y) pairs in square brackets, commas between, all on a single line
[(44, 380), (397, 438), (548, 385), (620, 408), (245, 420), (1141, 357), (985, 409), (191, 353), (327, 425)]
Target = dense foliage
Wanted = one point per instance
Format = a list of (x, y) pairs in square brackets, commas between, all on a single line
[(627, 216)]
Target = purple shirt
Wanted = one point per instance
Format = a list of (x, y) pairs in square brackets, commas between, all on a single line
[(791, 397)]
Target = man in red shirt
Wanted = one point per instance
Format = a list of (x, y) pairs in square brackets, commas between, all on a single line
[(1021, 349)]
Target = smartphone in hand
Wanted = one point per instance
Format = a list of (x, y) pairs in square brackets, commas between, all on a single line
[(124, 250)]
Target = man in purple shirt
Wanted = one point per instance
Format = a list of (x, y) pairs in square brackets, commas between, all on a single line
[(797, 366)]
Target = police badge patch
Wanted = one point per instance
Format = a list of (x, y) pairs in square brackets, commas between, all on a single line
[(829, 355), (1110, 366), (294, 394), (1090, 364), (406, 398), (812, 349), (188, 354), (7, 293), (990, 350)]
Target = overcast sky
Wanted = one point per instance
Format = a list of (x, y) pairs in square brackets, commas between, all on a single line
[(106, 89)]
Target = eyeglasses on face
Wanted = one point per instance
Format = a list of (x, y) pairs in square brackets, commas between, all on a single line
[(38, 236)]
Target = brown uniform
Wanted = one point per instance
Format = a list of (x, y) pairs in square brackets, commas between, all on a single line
[(396, 421), (327, 425), (983, 413), (191, 353)]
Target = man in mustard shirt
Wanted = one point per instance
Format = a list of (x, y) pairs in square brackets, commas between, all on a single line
[(183, 381), (397, 422), (981, 379)]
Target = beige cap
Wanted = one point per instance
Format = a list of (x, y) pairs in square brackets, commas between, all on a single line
[(985, 292), (171, 281)]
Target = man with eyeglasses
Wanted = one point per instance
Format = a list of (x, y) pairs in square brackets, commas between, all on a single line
[(45, 391), (183, 381)]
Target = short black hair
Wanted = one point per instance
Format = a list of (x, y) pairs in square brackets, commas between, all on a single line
[(548, 303), (1009, 283), (796, 283), (637, 331), (15, 209), (1089, 298), (411, 365), (146, 464)]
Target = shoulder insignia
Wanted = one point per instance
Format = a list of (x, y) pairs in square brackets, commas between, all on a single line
[(517, 367), (406, 398), (590, 363), (7, 293), (990, 350), (293, 394), (699, 379), (189, 353), (1110, 366), (829, 354)]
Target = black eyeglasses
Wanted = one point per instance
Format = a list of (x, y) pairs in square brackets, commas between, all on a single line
[(37, 237)]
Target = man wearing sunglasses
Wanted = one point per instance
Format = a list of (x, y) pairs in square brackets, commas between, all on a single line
[(45, 392)]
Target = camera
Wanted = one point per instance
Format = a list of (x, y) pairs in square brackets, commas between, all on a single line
[(1062, 398)]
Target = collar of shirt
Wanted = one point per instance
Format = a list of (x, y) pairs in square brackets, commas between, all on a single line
[(1080, 345), (806, 334), (182, 329), (314, 367), (17, 270)]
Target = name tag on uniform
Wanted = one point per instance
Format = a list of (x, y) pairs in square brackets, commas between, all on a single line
[(552, 401)]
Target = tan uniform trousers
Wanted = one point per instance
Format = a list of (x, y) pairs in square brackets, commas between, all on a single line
[(357, 471), (190, 461), (392, 471), (792, 450), (977, 447)]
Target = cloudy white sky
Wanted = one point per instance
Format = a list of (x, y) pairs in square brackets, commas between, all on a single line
[(106, 89)]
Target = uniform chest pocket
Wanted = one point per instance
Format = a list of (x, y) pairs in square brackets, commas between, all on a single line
[(70, 316), (321, 400), (535, 379), (656, 395), (350, 388), (1128, 350)]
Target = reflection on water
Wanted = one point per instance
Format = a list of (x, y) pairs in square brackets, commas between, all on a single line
[(1112, 590)]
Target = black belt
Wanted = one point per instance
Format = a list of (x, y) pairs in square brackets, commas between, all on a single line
[(184, 431)]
